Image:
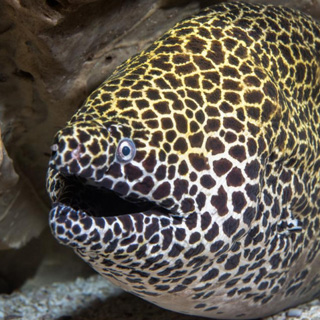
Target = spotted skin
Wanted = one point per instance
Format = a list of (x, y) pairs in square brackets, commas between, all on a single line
[(190, 177)]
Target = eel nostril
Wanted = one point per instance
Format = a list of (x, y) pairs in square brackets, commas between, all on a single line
[(54, 148)]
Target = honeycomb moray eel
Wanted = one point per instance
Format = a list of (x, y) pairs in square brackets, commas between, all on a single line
[(190, 177)]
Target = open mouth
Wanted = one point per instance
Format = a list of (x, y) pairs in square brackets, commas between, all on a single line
[(97, 201)]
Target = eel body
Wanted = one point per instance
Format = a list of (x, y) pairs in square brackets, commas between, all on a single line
[(190, 177)]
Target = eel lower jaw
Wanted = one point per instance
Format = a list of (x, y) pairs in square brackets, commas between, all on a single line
[(83, 213)]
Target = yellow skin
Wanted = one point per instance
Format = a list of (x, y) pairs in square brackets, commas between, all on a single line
[(191, 177)]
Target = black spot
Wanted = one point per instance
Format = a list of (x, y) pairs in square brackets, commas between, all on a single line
[(162, 107), (153, 94), (99, 161), (195, 237), (187, 205), (157, 138), (123, 104), (108, 236), (196, 140), (82, 135), (252, 169), (216, 53), (180, 58), (149, 114), (252, 146), (150, 162), (235, 178), (161, 63), (201, 200), (192, 252), (189, 280), (191, 221), (232, 262), (180, 188), (183, 168), (230, 226), (144, 186), (172, 159), (300, 72), (161, 172), (173, 80), (241, 51), (268, 108), (74, 167), (270, 90), (86, 223), (175, 250), (212, 125), (185, 69), (205, 220), (193, 190), (253, 113), (252, 81), (213, 97), (132, 172), (162, 191), (286, 53), (253, 97), (213, 273), (141, 104), (171, 135), (203, 63), (178, 288), (275, 210), (196, 45), (180, 145), (232, 123), (220, 201), (216, 246), (207, 181), (199, 161), (221, 167), (60, 230), (238, 153), (215, 145), (181, 122), (212, 232), (166, 123), (252, 191), (192, 81), (233, 98), (225, 106), (180, 234), (238, 201)]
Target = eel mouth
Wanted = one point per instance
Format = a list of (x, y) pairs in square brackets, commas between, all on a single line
[(95, 201)]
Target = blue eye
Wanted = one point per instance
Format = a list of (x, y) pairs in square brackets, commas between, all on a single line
[(126, 150)]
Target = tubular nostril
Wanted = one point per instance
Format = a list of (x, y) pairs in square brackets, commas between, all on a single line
[(54, 147)]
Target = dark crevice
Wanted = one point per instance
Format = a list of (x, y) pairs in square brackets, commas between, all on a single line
[(24, 74), (54, 4)]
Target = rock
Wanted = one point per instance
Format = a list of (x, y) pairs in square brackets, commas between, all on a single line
[(21, 215)]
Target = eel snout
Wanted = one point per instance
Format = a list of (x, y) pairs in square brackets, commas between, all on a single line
[(82, 150)]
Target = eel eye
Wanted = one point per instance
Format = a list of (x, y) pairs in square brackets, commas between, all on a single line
[(126, 150)]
